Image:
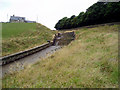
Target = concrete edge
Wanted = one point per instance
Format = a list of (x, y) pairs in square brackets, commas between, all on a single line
[(10, 58)]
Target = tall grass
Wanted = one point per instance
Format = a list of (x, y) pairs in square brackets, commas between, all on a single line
[(91, 61)]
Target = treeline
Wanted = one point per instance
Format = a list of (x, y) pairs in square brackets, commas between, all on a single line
[(98, 13)]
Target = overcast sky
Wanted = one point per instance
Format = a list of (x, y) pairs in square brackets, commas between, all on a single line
[(46, 12)]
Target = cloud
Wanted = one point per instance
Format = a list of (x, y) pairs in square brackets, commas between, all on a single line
[(47, 11)]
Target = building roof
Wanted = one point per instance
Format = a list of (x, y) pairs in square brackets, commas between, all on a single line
[(17, 18)]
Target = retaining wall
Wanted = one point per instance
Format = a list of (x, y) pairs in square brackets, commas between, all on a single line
[(64, 38), (10, 58)]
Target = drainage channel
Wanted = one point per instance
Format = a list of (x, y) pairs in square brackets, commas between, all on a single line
[(59, 40), (20, 64)]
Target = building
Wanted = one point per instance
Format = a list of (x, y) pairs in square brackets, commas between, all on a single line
[(17, 19), (30, 21)]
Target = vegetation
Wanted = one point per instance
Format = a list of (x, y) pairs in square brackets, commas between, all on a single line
[(91, 61), (21, 36), (10, 30), (100, 12)]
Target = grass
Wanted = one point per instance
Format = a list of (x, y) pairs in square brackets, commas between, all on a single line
[(14, 29), (91, 61), (21, 36)]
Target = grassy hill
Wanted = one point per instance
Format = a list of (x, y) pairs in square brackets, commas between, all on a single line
[(15, 29), (20, 36), (89, 61)]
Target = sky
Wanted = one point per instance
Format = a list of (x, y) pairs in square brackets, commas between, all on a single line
[(46, 12)]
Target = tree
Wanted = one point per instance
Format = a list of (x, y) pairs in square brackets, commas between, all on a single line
[(100, 12)]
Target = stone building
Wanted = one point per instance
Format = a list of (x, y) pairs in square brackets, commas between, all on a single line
[(17, 19)]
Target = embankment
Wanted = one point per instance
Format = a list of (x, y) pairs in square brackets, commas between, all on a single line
[(90, 61)]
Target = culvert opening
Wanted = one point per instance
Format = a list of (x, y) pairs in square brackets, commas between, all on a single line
[(62, 39)]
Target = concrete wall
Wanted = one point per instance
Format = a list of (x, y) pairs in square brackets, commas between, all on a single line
[(16, 56), (63, 38)]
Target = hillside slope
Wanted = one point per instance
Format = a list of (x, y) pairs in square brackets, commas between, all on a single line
[(91, 61), (21, 36)]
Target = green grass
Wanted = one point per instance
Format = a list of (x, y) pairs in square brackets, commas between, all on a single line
[(21, 36), (14, 29), (91, 61)]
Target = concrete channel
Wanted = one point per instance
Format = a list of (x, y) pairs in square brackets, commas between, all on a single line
[(36, 54), (21, 63)]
